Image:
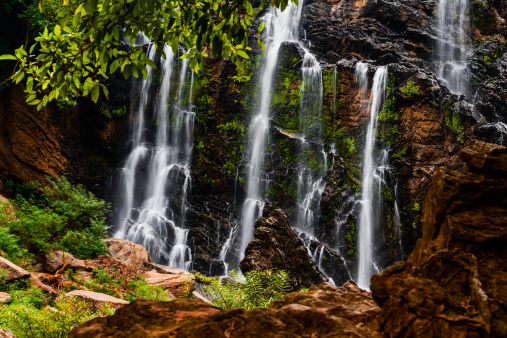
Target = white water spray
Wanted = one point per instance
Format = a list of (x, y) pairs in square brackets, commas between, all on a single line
[(366, 217), (279, 27), (451, 49), (156, 177)]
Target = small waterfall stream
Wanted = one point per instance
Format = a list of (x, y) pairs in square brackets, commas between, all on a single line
[(451, 48), (279, 27), (370, 203), (155, 179), (312, 163)]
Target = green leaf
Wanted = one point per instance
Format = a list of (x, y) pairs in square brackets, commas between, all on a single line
[(114, 66), (150, 63), (8, 57), (95, 93), (261, 27), (242, 54)]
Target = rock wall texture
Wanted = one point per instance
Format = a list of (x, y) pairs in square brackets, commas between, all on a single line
[(453, 283), (78, 142)]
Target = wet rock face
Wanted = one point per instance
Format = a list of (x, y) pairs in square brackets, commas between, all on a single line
[(324, 311), (277, 247), (454, 280)]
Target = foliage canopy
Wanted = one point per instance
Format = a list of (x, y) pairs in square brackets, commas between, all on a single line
[(95, 38)]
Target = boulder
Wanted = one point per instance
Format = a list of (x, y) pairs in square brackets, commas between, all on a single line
[(324, 311), (277, 247), (127, 251), (453, 283), (56, 259), (4, 298), (6, 334), (178, 285), (97, 299), (166, 269), (13, 271)]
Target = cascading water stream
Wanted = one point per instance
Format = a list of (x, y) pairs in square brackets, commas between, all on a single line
[(310, 185), (156, 177), (367, 221), (279, 27), (451, 48)]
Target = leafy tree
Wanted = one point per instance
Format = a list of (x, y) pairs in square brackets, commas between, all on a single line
[(94, 38)]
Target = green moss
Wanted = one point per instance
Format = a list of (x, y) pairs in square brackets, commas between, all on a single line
[(388, 115), (453, 121), (400, 154), (351, 239), (409, 89), (111, 113)]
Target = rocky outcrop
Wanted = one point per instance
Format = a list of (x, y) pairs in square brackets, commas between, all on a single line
[(78, 142), (454, 281), (127, 251), (13, 271), (55, 260), (6, 334), (324, 311), (179, 285), (277, 247), (96, 299), (4, 297)]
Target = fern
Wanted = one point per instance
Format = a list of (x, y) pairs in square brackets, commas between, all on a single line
[(253, 290)]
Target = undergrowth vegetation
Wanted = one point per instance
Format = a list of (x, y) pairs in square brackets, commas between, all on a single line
[(127, 283), (24, 319), (60, 216), (253, 290)]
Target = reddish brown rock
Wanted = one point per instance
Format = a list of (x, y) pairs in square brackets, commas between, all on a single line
[(165, 269), (324, 311), (277, 247), (36, 280), (97, 299), (127, 251), (79, 143), (454, 283), (55, 260), (4, 297), (6, 334), (177, 284), (14, 271)]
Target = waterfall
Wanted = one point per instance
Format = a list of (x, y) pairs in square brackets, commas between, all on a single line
[(155, 180), (279, 27), (312, 162), (451, 50), (367, 219)]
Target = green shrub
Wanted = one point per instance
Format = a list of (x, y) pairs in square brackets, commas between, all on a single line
[(32, 296), (253, 290), (61, 216), (25, 320)]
